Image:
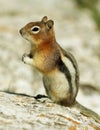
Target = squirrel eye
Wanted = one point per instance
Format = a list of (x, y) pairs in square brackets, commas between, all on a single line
[(35, 29)]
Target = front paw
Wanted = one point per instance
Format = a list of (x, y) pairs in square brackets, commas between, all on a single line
[(26, 59), (24, 56)]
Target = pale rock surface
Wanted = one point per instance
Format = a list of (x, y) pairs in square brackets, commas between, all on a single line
[(19, 112)]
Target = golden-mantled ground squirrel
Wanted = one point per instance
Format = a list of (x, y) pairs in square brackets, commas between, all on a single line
[(59, 67)]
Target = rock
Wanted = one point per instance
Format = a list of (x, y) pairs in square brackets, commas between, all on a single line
[(21, 112)]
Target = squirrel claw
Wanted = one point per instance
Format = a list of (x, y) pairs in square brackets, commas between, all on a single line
[(23, 57), (27, 59), (39, 96)]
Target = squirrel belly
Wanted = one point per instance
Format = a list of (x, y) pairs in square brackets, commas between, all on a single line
[(56, 90)]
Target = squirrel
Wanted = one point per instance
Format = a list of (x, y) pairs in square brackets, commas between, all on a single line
[(58, 67)]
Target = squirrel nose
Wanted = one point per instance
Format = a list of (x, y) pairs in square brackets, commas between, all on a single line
[(21, 31)]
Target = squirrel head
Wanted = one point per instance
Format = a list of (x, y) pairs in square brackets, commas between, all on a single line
[(39, 32)]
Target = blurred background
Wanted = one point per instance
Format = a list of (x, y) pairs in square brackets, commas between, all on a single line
[(77, 28)]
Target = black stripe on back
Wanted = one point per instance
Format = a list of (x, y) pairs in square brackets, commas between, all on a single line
[(74, 63), (63, 68)]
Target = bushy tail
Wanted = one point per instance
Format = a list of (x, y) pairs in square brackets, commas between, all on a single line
[(87, 112)]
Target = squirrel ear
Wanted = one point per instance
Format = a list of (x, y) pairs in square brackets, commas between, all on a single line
[(49, 24), (44, 19)]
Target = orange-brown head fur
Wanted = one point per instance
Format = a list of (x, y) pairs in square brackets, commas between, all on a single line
[(39, 32)]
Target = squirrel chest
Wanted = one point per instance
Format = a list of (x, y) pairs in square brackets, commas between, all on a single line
[(45, 60)]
